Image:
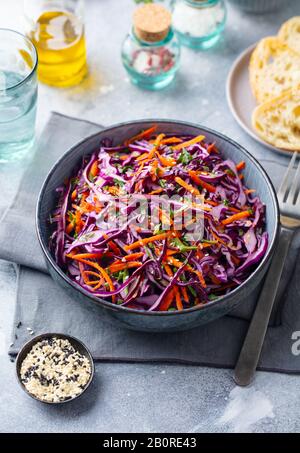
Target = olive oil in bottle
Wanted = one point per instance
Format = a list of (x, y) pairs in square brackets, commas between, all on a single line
[(60, 42)]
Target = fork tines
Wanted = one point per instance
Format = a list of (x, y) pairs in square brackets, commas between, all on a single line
[(288, 192)]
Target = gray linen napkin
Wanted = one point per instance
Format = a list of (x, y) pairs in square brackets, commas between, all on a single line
[(43, 306)]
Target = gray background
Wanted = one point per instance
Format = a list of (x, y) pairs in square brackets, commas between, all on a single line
[(131, 397)]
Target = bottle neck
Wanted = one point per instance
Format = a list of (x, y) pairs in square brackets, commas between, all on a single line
[(165, 41), (201, 3)]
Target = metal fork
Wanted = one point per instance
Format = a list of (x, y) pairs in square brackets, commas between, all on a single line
[(289, 204)]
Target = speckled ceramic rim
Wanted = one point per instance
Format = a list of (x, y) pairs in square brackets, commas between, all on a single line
[(114, 307), (74, 341)]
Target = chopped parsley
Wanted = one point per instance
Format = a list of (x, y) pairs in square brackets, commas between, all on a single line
[(185, 157), (119, 183), (192, 291)]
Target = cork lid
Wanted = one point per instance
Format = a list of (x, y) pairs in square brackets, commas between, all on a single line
[(152, 22)]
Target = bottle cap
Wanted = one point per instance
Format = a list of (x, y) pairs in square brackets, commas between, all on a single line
[(152, 22)]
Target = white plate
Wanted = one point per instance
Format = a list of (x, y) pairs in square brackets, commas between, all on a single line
[(240, 98)]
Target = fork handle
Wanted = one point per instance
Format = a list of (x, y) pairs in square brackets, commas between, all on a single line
[(250, 353)]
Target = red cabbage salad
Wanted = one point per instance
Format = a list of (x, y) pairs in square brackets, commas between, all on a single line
[(159, 223)]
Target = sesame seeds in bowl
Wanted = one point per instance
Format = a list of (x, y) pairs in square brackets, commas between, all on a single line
[(54, 368)]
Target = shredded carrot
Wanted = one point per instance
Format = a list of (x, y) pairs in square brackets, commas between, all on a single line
[(88, 207), (201, 278), (157, 191), (213, 203), (212, 147), (116, 267), (140, 169), (166, 161), (166, 303), (247, 191), (205, 245), (83, 197), (112, 245), (187, 186), (241, 165), (177, 263), (168, 270), (200, 254), (92, 273), (178, 299), (133, 256), (99, 268), (84, 256), (156, 171), (95, 283), (74, 194), (233, 218), (184, 294), (235, 259), (123, 157), (193, 141), (193, 175), (158, 140), (107, 279), (70, 228), (216, 237), (171, 252), (94, 169), (113, 190), (150, 154), (79, 222), (146, 156), (171, 140), (174, 261), (144, 134), (165, 219), (142, 242)]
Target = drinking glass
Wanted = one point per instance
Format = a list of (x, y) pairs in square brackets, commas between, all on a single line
[(57, 31), (18, 94)]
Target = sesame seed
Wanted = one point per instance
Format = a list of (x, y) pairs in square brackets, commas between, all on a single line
[(54, 370)]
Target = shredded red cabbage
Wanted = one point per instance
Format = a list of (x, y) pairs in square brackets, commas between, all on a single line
[(148, 266)]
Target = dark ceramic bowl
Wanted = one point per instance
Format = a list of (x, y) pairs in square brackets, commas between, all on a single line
[(78, 345), (255, 176)]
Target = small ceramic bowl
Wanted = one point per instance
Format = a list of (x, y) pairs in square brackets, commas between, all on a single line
[(77, 344), (259, 6)]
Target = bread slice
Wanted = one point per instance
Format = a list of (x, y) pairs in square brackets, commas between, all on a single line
[(278, 121), (274, 68), (290, 33)]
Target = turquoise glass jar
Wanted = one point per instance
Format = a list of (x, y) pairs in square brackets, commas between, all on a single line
[(199, 23), (151, 65), (151, 51)]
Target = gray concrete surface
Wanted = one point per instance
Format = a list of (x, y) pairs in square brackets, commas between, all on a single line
[(131, 397)]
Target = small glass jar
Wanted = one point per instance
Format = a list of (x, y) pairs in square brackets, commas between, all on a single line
[(199, 23), (151, 59)]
